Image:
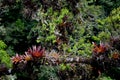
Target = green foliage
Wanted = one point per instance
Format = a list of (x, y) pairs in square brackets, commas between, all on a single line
[(2, 45), (46, 29), (64, 67), (104, 35), (69, 26), (108, 5), (47, 25), (2, 31), (84, 24), (8, 77), (10, 12), (15, 30), (85, 29), (48, 73), (4, 57), (16, 23), (79, 48), (104, 77), (17, 33), (111, 23)]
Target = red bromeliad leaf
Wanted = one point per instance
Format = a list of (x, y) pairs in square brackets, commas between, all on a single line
[(27, 57), (99, 48), (116, 55), (36, 51), (17, 58)]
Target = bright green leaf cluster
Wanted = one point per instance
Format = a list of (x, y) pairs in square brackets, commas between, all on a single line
[(4, 57)]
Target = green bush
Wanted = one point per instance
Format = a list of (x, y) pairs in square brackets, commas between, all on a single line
[(111, 23), (47, 25), (4, 57)]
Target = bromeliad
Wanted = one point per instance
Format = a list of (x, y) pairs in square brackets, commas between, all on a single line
[(17, 58), (37, 52), (101, 48), (34, 52)]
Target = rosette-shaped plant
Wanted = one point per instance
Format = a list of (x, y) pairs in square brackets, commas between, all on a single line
[(27, 57), (34, 52), (101, 48), (116, 55), (17, 58), (37, 52)]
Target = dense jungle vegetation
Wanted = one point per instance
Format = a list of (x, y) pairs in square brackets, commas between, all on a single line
[(59, 39)]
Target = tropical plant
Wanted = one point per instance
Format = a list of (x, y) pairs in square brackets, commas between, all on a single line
[(5, 61)]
